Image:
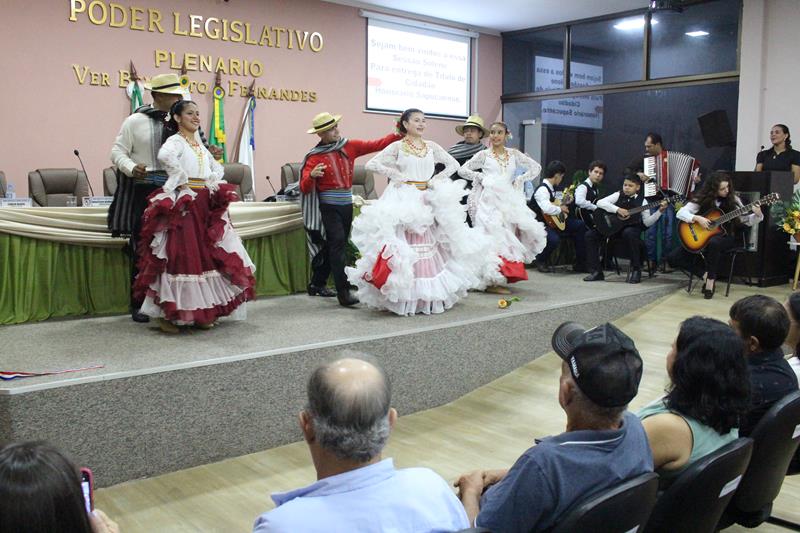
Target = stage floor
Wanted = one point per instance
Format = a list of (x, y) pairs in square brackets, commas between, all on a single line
[(274, 325)]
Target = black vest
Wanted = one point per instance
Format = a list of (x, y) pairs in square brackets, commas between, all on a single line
[(592, 194), (533, 204), (629, 202)]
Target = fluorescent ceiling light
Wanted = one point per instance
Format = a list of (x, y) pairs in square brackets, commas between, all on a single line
[(698, 33), (633, 24)]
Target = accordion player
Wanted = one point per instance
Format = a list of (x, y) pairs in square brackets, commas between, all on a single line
[(670, 173)]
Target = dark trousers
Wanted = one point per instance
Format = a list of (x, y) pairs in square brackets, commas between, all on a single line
[(630, 236), (141, 192), (331, 258), (575, 230), (717, 245)]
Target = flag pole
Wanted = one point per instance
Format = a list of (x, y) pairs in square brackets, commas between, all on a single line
[(250, 93)]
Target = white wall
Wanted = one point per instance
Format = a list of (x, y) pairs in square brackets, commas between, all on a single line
[(769, 75)]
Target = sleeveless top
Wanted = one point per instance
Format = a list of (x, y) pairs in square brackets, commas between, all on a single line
[(704, 438)]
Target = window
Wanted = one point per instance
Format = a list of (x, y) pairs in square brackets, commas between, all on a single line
[(701, 40), (533, 61), (607, 51), (421, 66)]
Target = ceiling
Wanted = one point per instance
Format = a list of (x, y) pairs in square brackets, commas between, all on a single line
[(501, 15)]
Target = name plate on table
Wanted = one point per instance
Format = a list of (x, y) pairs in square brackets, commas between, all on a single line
[(97, 201), (16, 202)]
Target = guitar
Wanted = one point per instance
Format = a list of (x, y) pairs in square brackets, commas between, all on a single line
[(695, 237), (609, 224), (558, 222)]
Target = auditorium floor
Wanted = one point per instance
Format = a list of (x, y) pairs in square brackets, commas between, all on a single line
[(487, 428)]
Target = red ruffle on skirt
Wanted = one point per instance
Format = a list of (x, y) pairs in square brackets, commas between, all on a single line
[(194, 227)]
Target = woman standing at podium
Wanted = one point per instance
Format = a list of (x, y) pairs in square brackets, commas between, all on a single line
[(193, 267), (781, 157)]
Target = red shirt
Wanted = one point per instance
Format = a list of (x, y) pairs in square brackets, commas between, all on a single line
[(338, 172)]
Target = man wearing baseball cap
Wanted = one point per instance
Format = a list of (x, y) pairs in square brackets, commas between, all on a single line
[(603, 444)]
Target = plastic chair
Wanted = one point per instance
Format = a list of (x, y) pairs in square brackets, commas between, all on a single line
[(620, 509), (697, 498), (776, 438)]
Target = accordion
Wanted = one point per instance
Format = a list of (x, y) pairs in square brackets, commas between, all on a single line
[(672, 172)]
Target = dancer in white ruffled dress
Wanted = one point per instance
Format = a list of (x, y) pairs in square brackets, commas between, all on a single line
[(418, 229), (497, 207)]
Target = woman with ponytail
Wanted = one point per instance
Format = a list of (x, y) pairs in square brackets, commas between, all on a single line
[(781, 157), (193, 267)]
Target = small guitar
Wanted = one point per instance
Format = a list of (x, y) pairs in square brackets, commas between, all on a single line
[(558, 222), (695, 237), (609, 224)]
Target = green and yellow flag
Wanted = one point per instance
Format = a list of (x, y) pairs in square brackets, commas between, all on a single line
[(217, 131)]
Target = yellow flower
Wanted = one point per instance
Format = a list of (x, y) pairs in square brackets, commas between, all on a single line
[(786, 227), (502, 304), (796, 214)]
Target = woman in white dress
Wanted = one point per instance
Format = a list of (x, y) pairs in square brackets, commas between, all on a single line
[(417, 228), (497, 206), (193, 267)]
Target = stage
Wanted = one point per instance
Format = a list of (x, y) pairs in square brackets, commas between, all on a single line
[(163, 403)]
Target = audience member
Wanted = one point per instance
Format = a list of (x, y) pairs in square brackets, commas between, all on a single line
[(763, 324), (792, 341), (603, 444), (346, 425), (40, 492), (707, 394)]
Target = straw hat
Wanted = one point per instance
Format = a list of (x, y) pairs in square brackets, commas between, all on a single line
[(475, 121), (165, 83), (324, 122)]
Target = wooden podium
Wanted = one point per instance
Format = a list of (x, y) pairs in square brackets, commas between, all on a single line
[(770, 262)]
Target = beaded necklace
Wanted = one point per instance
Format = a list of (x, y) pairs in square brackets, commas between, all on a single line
[(502, 160), (198, 152), (410, 148)]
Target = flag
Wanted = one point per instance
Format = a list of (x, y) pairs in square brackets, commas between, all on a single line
[(247, 138), (135, 93), (216, 136)]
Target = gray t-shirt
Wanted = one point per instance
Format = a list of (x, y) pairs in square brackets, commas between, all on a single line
[(560, 471)]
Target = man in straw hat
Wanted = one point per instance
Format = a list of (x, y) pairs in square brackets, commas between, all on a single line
[(473, 132), (135, 154), (603, 444), (326, 181)]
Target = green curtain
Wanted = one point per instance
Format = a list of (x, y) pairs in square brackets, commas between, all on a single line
[(42, 279)]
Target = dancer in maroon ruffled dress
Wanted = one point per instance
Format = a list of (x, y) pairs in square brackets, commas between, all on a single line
[(193, 267)]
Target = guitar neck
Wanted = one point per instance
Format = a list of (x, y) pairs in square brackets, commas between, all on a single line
[(727, 217), (645, 207)]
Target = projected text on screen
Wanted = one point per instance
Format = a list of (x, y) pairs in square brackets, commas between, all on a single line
[(414, 67)]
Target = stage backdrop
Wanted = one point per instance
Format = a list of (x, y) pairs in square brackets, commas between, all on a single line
[(62, 81)]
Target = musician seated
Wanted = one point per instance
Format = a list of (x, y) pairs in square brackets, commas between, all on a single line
[(716, 194), (544, 204), (587, 193), (620, 203)]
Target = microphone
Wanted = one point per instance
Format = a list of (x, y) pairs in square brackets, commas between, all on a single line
[(271, 187), (78, 155)]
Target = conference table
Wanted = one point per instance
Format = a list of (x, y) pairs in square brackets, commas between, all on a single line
[(62, 261)]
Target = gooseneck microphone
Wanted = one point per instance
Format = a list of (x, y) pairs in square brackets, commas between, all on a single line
[(78, 155), (270, 186)]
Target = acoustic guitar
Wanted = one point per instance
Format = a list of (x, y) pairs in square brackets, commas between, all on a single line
[(609, 224), (695, 237), (558, 222)]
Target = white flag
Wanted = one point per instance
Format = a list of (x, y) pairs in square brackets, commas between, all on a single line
[(247, 143)]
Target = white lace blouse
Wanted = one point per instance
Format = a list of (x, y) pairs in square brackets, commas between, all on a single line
[(399, 165), (491, 165), (182, 161)]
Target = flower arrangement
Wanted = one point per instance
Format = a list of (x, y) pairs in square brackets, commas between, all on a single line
[(787, 215), (504, 303)]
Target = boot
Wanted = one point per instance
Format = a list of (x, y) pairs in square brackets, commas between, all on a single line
[(346, 298), (597, 275)]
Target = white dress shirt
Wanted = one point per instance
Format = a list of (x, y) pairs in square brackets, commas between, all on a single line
[(609, 204), (542, 198)]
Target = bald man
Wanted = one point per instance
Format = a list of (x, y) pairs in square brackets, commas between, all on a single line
[(346, 425)]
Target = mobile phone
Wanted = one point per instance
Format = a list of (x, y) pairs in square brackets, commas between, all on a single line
[(87, 485)]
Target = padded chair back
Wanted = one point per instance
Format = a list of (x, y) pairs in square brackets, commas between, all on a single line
[(290, 173), (623, 508), (51, 186), (2, 184), (240, 175), (363, 183), (775, 441), (109, 181), (696, 500)]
